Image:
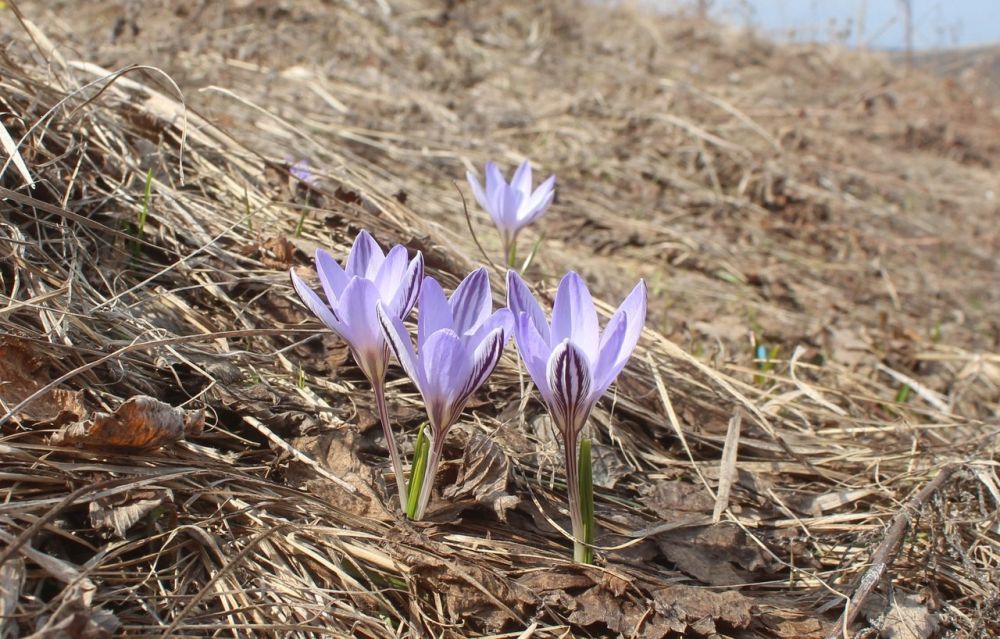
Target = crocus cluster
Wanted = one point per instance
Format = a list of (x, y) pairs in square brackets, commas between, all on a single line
[(460, 339)]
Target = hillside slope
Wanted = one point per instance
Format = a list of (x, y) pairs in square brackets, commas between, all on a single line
[(823, 204)]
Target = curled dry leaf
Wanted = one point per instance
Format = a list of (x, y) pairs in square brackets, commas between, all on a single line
[(24, 372), (482, 477), (119, 512), (141, 423)]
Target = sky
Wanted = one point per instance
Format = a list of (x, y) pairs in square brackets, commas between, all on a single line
[(936, 23)]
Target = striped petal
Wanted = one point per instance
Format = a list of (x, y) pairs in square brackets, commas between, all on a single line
[(569, 381), (471, 302), (484, 361), (331, 276), (574, 316), (313, 302), (402, 347)]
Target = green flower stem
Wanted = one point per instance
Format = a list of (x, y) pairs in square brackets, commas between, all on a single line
[(390, 441), (571, 449), (418, 472), (512, 253), (435, 448), (582, 552)]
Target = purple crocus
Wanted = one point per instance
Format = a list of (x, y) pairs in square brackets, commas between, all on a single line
[(303, 171), (371, 278), (459, 342), (572, 363), (512, 206)]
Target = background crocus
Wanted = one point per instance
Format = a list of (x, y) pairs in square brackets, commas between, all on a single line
[(512, 206), (459, 342), (370, 278), (572, 363)]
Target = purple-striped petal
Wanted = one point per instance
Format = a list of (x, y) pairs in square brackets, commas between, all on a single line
[(435, 313), (484, 360), (534, 353), (315, 304), (502, 319), (331, 276), (471, 302), (399, 341), (569, 381), (408, 291), (574, 316), (366, 257), (520, 300)]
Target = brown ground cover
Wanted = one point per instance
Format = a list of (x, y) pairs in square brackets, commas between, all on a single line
[(185, 453)]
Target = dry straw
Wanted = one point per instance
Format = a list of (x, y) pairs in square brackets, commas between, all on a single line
[(796, 196)]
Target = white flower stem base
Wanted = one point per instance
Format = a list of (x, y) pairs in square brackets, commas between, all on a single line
[(390, 442)]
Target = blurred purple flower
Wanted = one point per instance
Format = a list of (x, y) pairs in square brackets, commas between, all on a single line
[(459, 342), (512, 206), (571, 362), (371, 278), (303, 171)]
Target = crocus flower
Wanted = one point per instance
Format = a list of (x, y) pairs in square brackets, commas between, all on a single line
[(302, 170), (512, 206), (572, 363), (459, 342), (370, 278)]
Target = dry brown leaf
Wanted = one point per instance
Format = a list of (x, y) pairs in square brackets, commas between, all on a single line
[(23, 372), (718, 555), (140, 423), (483, 475), (703, 608), (119, 512)]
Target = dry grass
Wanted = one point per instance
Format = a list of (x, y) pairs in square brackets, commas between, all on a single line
[(802, 198)]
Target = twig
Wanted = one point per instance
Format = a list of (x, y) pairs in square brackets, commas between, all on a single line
[(885, 553), (472, 232)]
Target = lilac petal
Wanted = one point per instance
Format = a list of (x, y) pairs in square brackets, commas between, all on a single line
[(471, 302), (477, 191), (603, 371), (634, 308), (331, 276), (356, 310), (399, 340), (520, 300), (574, 316), (494, 182), (499, 211), (409, 289), (365, 258), (542, 196), (569, 380), (315, 304), (534, 211), (390, 273), (534, 353), (512, 199), (435, 314), (522, 179), (484, 360), (503, 319), (446, 368)]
